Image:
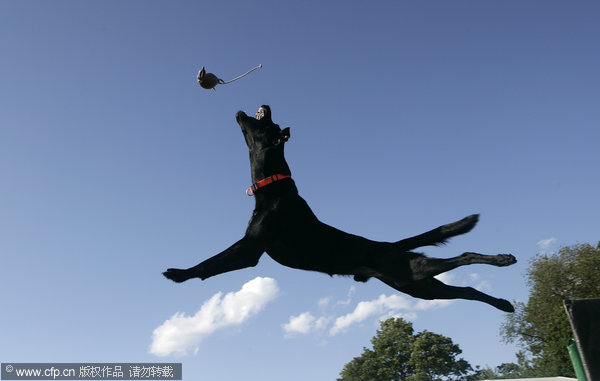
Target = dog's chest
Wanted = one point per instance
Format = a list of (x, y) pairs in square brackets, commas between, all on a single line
[(298, 257)]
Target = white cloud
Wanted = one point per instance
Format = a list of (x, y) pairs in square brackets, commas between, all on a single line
[(303, 324), (482, 285), (423, 304), (348, 300), (396, 315), (545, 244), (384, 307), (351, 291), (323, 304), (181, 333), (380, 306), (321, 323), (445, 277)]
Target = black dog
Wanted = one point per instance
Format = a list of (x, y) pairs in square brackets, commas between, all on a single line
[(284, 226)]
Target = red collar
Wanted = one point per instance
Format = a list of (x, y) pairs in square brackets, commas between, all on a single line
[(264, 182)]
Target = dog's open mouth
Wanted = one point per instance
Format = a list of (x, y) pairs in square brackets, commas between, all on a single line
[(260, 113)]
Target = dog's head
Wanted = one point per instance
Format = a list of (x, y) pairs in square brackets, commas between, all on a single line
[(260, 132)]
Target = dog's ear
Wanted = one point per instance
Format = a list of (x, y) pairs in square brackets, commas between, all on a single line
[(285, 134), (267, 113)]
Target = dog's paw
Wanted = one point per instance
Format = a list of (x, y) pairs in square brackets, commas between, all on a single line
[(177, 275), (504, 305), (505, 260)]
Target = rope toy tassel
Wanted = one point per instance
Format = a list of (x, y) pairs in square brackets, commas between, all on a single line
[(210, 81)]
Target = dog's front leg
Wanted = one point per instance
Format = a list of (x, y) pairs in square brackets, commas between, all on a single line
[(244, 253)]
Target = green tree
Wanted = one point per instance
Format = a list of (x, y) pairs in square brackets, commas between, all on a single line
[(399, 354), (434, 358), (541, 325), (362, 368), (392, 349), (522, 369)]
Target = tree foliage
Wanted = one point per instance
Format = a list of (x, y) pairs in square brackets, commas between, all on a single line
[(541, 325), (400, 354), (521, 369)]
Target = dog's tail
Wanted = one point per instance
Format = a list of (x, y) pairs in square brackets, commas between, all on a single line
[(439, 235)]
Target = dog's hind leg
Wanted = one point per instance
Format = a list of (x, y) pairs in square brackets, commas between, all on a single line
[(439, 235), (434, 289), (425, 267), (244, 253)]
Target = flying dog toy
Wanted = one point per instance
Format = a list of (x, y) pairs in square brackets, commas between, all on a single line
[(209, 80)]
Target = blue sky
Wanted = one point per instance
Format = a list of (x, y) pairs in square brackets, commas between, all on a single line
[(116, 165)]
